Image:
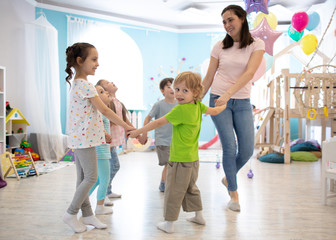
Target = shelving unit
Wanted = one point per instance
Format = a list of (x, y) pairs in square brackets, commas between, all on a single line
[(16, 129), (2, 113)]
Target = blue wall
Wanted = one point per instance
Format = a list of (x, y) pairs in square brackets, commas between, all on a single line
[(162, 53)]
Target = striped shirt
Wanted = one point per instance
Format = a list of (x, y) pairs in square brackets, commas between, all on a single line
[(103, 150)]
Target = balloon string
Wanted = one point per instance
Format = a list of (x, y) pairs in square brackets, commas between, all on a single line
[(322, 38)]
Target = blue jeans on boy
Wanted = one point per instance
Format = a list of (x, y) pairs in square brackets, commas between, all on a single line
[(234, 126), (114, 167)]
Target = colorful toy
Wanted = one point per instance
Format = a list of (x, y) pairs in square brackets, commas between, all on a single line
[(25, 144), (22, 164), (18, 150), (250, 174), (69, 156), (35, 156)]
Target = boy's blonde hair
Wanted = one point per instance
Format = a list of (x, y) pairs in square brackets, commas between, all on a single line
[(193, 81)]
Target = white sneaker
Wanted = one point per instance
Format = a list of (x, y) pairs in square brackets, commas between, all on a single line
[(93, 221), (108, 202), (101, 210), (114, 195)]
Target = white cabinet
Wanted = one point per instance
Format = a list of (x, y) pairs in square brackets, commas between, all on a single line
[(2, 109), (2, 113)]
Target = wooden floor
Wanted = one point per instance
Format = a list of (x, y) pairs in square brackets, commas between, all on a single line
[(280, 202)]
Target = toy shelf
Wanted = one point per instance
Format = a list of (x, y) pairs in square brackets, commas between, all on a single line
[(16, 129)]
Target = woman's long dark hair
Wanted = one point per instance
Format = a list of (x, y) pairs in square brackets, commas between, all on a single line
[(245, 35)]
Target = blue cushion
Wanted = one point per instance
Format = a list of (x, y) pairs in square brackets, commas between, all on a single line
[(273, 158), (305, 146)]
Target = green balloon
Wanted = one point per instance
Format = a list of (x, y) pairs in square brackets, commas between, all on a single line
[(295, 35)]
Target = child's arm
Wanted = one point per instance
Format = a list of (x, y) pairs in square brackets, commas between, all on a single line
[(148, 127), (143, 137), (215, 110), (98, 103)]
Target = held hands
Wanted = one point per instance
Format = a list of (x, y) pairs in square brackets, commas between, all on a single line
[(133, 133), (108, 138), (142, 138), (221, 101), (220, 106)]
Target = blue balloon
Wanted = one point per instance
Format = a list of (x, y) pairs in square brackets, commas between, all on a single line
[(314, 20)]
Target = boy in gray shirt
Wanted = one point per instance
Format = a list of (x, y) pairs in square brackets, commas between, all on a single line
[(162, 134)]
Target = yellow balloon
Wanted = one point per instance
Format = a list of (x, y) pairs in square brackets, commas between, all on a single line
[(309, 44), (270, 18)]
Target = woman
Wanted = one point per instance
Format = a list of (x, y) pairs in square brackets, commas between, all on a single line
[(234, 61)]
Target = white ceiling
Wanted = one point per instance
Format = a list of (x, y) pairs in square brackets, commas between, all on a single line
[(175, 14)]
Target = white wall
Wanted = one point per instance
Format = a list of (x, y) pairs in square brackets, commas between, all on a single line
[(13, 15)]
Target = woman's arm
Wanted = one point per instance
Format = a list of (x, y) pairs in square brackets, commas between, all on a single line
[(208, 79), (252, 66), (150, 126), (107, 112)]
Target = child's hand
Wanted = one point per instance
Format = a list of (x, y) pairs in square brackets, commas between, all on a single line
[(222, 107), (129, 128), (108, 138), (143, 139), (133, 134)]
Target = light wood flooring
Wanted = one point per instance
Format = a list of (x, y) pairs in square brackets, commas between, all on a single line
[(281, 202)]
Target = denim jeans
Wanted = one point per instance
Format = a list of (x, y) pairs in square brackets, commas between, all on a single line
[(235, 127), (114, 168)]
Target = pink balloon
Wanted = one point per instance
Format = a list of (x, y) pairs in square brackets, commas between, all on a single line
[(300, 21), (267, 34), (260, 71)]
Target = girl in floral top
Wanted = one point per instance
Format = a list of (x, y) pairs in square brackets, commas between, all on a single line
[(85, 131)]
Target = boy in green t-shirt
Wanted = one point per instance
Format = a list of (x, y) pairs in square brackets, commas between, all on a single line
[(183, 165)]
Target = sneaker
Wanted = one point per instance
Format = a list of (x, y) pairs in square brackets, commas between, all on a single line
[(162, 186), (101, 210), (233, 206), (114, 195), (108, 202)]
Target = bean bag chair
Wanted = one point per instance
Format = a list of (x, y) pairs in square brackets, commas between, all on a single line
[(303, 156), (273, 158), (305, 146)]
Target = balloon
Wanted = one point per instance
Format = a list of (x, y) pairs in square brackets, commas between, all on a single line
[(260, 71), (270, 17), (309, 44), (256, 6), (269, 61), (295, 35), (267, 34), (314, 20), (300, 21)]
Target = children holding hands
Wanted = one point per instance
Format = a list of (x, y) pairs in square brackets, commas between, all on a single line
[(85, 131), (183, 165), (86, 135)]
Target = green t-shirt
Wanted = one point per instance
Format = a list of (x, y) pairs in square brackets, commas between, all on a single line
[(186, 120)]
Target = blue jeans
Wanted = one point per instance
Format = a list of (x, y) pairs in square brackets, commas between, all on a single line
[(234, 126), (114, 168)]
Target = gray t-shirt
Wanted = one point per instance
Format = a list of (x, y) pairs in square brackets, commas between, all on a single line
[(163, 134)]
